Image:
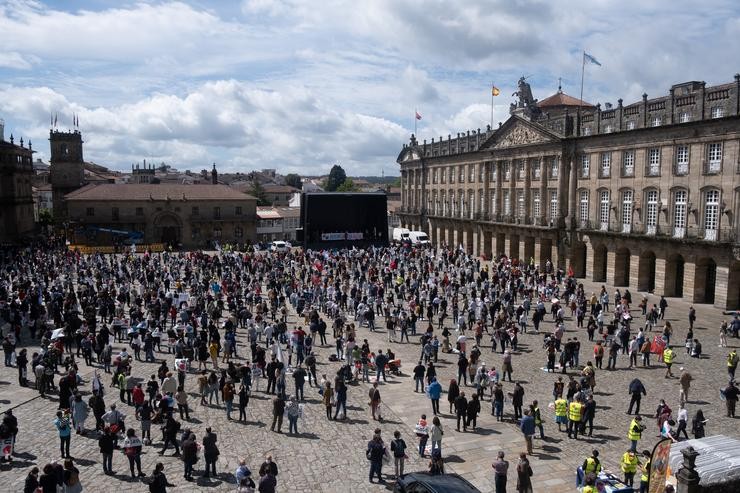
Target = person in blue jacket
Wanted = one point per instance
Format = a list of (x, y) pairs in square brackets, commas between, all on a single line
[(528, 427), (435, 391)]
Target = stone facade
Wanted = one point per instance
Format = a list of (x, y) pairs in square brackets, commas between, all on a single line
[(16, 196), (644, 196), (191, 216)]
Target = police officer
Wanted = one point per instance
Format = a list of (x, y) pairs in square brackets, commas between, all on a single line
[(668, 357), (629, 467), (635, 432), (575, 411)]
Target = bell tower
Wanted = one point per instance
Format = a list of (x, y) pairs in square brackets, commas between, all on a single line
[(67, 167)]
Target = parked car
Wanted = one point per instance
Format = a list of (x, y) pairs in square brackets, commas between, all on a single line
[(422, 482)]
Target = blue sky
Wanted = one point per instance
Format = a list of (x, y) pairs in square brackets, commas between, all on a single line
[(300, 85)]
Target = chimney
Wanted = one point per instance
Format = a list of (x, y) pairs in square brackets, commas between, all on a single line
[(214, 175)]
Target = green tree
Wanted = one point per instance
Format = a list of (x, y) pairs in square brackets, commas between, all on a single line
[(348, 186), (45, 217), (293, 180), (258, 191), (337, 176)]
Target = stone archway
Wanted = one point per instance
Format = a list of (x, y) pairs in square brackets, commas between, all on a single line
[(733, 286), (578, 256), (599, 274), (168, 228), (705, 279), (646, 272), (622, 267), (674, 275)]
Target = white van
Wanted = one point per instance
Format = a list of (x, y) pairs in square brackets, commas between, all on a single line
[(279, 246), (418, 238), (400, 234)]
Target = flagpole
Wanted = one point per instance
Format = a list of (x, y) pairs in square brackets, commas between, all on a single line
[(415, 119), (580, 100), (492, 105)]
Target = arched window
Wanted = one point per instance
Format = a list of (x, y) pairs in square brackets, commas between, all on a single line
[(604, 210), (583, 208), (651, 211), (627, 202), (711, 214), (680, 199)]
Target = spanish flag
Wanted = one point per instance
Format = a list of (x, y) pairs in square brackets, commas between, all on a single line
[(495, 91)]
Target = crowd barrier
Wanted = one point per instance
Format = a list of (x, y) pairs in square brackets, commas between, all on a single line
[(89, 249)]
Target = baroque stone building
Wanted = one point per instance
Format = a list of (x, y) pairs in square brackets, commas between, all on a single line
[(644, 195), (16, 196), (188, 215)]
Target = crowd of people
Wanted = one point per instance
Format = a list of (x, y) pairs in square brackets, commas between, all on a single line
[(226, 321)]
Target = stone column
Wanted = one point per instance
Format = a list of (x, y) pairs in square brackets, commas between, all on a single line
[(589, 260), (689, 280), (537, 250), (721, 287), (507, 246), (486, 191), (611, 260), (512, 188), (555, 257), (476, 240), (499, 177), (523, 248), (487, 244), (660, 265), (563, 198)]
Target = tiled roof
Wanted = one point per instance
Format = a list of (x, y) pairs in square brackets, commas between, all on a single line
[(562, 99), (123, 192), (279, 189)]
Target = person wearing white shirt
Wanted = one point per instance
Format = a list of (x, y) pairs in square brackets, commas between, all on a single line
[(683, 418)]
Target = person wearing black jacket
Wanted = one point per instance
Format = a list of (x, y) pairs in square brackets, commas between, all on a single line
[(419, 372), (159, 482), (105, 443), (461, 410), (268, 466), (243, 401), (517, 400), (278, 408), (210, 452), (589, 413), (171, 428), (32, 481), (473, 409), (636, 390)]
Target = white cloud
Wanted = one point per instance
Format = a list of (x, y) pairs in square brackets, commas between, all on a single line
[(301, 84)]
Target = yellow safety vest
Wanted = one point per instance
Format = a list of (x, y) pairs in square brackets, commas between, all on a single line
[(732, 359), (645, 471), (592, 466), (629, 463), (561, 407), (588, 489), (668, 355), (574, 411), (635, 431), (537, 416)]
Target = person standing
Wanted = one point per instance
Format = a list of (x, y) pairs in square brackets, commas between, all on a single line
[(243, 402), (435, 434), (65, 433), (635, 432), (422, 431), (591, 467), (527, 428), (189, 456), (629, 467), (697, 424), (374, 395), (105, 443), (589, 413), (419, 371), (636, 390), (435, 392), (461, 409), (340, 394), (398, 447), (575, 412), (328, 398), (537, 418), (732, 361), (71, 479), (561, 412), (293, 411), (645, 471), (668, 357), (227, 394), (375, 453), (210, 452), (517, 400), (132, 448), (500, 470), (731, 394), (685, 382), (278, 408), (452, 392), (523, 474)]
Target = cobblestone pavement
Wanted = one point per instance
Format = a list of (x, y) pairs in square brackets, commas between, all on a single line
[(330, 455)]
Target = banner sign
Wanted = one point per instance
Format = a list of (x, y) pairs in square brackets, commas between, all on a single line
[(659, 467)]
